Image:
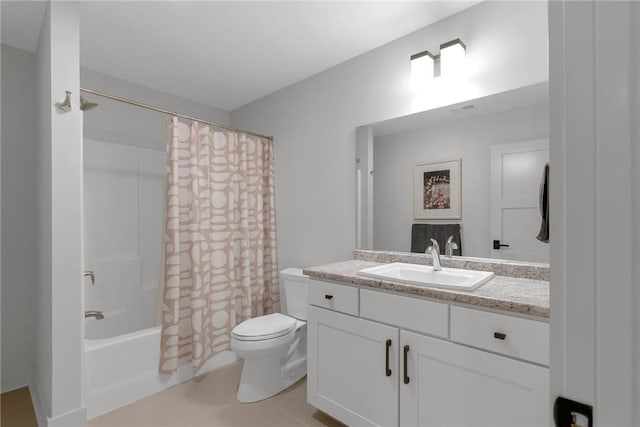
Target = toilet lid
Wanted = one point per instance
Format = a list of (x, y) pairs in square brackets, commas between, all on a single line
[(264, 327)]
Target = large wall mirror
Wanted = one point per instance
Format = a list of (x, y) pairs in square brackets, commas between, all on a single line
[(500, 143)]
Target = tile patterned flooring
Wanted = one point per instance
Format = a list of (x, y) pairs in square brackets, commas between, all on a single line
[(212, 402)]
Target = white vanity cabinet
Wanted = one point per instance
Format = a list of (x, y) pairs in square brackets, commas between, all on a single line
[(346, 362), (454, 385), (397, 360)]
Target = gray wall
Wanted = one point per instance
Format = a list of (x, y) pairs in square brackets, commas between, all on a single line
[(470, 140), (635, 177), (117, 122), (314, 121), (19, 135), (41, 377)]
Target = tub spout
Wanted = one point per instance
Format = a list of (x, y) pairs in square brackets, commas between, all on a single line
[(94, 313)]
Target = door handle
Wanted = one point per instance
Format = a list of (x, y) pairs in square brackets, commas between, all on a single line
[(327, 296), (386, 359), (406, 369), (497, 245)]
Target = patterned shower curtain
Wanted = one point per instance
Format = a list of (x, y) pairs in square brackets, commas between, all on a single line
[(220, 264)]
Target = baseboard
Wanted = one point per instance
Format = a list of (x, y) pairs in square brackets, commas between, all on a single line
[(13, 388), (75, 418), (38, 407)]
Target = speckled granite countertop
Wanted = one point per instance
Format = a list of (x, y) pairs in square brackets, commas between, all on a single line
[(514, 294), (524, 270)]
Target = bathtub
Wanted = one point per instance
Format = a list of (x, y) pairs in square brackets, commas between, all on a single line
[(124, 249), (124, 368)]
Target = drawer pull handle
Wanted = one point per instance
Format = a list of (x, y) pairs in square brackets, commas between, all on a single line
[(499, 335), (386, 359), (327, 296), (406, 373)]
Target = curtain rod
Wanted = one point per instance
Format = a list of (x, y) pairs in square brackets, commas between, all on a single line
[(172, 113)]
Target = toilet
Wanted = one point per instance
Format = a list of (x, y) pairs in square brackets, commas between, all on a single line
[(274, 346)]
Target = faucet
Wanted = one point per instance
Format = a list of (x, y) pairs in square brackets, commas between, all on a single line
[(92, 275), (451, 245), (434, 251), (94, 313)]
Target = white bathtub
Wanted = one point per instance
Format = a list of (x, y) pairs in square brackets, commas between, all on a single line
[(124, 247), (123, 369)]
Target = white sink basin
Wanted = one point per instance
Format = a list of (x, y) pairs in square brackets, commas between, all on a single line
[(423, 275)]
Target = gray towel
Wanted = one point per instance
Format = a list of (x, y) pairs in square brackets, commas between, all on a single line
[(422, 233), (543, 235)]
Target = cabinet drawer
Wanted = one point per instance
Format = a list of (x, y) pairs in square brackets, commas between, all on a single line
[(410, 313), (512, 336), (340, 298)]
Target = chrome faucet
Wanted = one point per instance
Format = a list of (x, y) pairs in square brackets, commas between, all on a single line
[(451, 245), (92, 275), (94, 313), (434, 251)]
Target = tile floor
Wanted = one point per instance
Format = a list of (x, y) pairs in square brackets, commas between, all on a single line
[(212, 402)]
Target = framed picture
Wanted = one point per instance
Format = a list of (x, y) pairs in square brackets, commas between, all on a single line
[(436, 190)]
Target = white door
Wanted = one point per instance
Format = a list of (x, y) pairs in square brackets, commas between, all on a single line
[(347, 368), (516, 172), (454, 385)]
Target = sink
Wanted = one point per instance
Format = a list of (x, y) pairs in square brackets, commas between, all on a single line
[(424, 275)]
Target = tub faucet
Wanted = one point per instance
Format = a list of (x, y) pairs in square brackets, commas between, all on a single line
[(92, 275), (434, 251), (451, 245), (94, 313)]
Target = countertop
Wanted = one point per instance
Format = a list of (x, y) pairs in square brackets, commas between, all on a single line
[(511, 294)]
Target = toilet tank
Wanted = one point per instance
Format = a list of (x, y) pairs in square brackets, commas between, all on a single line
[(293, 293)]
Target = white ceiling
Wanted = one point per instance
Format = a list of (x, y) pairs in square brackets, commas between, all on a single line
[(504, 101), (226, 54)]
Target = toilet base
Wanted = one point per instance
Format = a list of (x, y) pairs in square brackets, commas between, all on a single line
[(262, 379), (271, 366)]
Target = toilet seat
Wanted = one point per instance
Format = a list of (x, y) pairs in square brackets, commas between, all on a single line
[(264, 327)]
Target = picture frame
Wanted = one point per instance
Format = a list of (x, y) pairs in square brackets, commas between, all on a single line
[(437, 191)]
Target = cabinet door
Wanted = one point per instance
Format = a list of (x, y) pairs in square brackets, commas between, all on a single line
[(346, 368), (453, 385)]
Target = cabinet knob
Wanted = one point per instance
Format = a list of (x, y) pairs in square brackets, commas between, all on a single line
[(499, 335), (327, 296)]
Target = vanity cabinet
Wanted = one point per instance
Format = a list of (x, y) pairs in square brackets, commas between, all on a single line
[(397, 360), (347, 373), (454, 385)]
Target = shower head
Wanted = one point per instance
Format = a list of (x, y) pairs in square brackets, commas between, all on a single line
[(86, 105)]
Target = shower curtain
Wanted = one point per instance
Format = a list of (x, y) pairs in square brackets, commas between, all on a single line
[(220, 264)]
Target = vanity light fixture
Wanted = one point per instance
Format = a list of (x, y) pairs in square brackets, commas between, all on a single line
[(452, 58), (421, 69)]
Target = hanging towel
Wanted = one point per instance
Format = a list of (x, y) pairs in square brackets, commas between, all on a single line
[(421, 235), (543, 235)]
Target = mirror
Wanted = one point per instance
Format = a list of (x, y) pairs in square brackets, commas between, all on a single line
[(501, 142)]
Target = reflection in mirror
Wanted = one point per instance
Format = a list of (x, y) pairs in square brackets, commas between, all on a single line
[(502, 143)]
